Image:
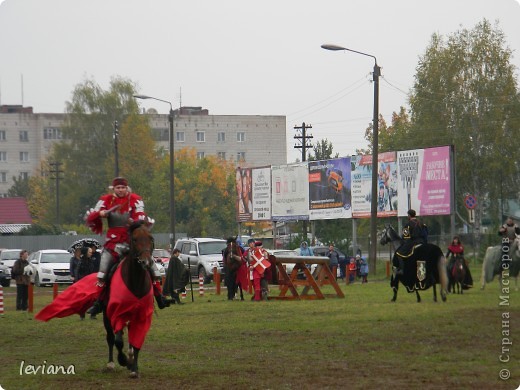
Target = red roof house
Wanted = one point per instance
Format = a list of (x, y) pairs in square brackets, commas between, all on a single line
[(14, 215)]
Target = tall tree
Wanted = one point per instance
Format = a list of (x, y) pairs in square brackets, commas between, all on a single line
[(322, 150), (465, 93), (87, 150)]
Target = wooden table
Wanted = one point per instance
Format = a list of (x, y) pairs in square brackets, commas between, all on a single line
[(318, 278)]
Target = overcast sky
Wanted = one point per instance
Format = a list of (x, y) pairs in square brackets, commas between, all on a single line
[(236, 56)]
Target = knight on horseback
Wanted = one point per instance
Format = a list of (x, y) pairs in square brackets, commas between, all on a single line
[(120, 208), (412, 236), (508, 231)]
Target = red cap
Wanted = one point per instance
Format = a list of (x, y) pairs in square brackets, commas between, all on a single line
[(119, 181)]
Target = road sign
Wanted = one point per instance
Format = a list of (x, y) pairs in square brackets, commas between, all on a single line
[(470, 202)]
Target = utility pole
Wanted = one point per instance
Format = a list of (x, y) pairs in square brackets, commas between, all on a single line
[(56, 172), (116, 151), (303, 137)]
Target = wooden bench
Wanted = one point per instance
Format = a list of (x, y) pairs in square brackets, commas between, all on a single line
[(311, 283)]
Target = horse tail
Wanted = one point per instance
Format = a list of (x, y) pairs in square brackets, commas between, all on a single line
[(443, 273)]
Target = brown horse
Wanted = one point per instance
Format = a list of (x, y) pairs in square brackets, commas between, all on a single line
[(130, 302), (456, 275)]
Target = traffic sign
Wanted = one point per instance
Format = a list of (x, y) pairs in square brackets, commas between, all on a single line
[(470, 202)]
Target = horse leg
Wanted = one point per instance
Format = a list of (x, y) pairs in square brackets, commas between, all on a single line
[(119, 343), (418, 296), (110, 341), (133, 355), (395, 287), (434, 286), (241, 293)]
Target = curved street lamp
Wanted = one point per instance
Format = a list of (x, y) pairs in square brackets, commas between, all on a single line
[(172, 200), (375, 146)]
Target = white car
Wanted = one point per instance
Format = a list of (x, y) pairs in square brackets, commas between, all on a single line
[(9, 256), (288, 253), (51, 266)]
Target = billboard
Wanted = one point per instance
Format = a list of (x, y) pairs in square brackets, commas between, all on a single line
[(290, 192), (329, 189), (244, 200), (261, 188), (386, 183), (425, 182)]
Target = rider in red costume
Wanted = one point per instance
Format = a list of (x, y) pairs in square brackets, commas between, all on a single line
[(120, 208)]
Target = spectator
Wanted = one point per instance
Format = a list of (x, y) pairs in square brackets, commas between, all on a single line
[(177, 277), (363, 268), (352, 268), (21, 273), (85, 266), (305, 250), (333, 255), (73, 265)]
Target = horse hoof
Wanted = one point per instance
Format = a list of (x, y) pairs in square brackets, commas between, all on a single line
[(111, 366), (130, 359), (133, 375)]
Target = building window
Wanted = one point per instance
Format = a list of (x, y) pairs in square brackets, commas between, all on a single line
[(221, 155), (201, 136), (3, 156), (51, 133), (3, 177), (24, 175), (200, 155), (2, 135), (24, 136), (241, 156), (24, 156), (179, 136), (161, 134), (221, 136), (241, 136)]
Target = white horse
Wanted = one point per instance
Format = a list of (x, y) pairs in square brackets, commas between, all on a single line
[(491, 264)]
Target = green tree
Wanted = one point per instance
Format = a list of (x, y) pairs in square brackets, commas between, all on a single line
[(87, 149), (20, 188), (322, 151), (465, 93)]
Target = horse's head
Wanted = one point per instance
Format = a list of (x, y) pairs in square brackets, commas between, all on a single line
[(388, 235), (141, 244)]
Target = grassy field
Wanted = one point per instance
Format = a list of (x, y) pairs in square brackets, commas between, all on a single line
[(363, 341)]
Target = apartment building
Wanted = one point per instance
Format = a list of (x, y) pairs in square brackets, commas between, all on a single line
[(249, 140)]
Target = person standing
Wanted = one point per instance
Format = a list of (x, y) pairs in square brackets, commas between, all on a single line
[(508, 231), (73, 265), (232, 258), (333, 255), (177, 277), (22, 278), (121, 209), (85, 266), (363, 268)]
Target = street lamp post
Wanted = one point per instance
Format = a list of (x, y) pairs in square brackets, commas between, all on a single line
[(375, 147), (116, 151), (172, 171)]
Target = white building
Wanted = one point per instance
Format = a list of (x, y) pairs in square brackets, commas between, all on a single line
[(249, 140)]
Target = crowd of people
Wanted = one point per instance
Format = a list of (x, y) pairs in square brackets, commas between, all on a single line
[(243, 266)]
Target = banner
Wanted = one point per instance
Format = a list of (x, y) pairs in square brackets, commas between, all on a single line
[(387, 198), (329, 189), (261, 194), (290, 192), (244, 202), (425, 181)]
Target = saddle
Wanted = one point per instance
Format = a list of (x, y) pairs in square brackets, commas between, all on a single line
[(406, 253)]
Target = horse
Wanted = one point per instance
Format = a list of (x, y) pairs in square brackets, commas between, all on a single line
[(457, 274), (130, 301), (424, 269), (492, 264)]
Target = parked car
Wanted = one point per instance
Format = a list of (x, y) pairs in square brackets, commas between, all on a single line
[(203, 254), (289, 253), (9, 256), (161, 255), (51, 266), (5, 275)]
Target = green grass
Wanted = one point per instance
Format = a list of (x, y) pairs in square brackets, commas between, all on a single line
[(363, 341)]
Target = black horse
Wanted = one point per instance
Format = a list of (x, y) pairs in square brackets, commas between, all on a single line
[(130, 300), (424, 268)]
